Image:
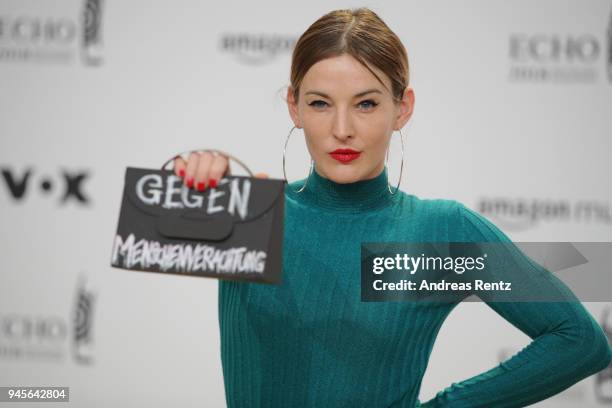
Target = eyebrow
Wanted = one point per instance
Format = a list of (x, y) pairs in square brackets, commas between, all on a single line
[(356, 95)]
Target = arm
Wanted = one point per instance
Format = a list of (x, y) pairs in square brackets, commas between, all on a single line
[(568, 345)]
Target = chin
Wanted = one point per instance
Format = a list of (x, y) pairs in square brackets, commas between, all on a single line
[(343, 174)]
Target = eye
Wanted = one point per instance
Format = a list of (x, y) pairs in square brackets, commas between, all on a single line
[(367, 104), (318, 103)]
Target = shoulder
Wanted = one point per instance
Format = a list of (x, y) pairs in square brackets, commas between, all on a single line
[(463, 223), (434, 205), (435, 217), (477, 227), (431, 207)]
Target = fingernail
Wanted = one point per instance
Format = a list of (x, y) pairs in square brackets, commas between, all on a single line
[(201, 186), (182, 172), (190, 182), (213, 183)]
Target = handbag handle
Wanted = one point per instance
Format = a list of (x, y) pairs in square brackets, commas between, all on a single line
[(229, 156)]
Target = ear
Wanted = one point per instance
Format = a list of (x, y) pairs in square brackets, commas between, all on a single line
[(293, 109), (405, 108)]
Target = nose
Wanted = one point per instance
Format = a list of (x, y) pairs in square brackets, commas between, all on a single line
[(342, 124)]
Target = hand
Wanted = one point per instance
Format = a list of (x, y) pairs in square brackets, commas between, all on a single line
[(204, 169)]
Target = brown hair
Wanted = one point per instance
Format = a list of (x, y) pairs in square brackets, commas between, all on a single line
[(359, 33)]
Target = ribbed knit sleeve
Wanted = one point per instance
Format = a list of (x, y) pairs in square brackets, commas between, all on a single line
[(567, 343)]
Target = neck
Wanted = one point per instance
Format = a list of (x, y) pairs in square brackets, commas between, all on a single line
[(359, 196)]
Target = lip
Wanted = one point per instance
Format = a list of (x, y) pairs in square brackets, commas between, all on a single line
[(345, 155)]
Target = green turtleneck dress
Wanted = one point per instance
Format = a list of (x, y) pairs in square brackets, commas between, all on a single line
[(311, 342)]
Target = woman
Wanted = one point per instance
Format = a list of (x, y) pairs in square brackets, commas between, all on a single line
[(310, 341)]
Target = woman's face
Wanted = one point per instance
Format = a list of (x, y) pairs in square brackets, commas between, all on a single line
[(341, 105)]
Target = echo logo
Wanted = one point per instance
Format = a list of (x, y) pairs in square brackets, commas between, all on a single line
[(561, 57), (37, 30), (53, 39), (91, 46), (82, 319), (20, 184), (554, 48), (38, 329)]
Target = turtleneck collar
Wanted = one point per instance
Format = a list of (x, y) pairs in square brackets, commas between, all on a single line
[(359, 196)]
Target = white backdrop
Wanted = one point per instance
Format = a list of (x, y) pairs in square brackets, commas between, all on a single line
[(513, 111)]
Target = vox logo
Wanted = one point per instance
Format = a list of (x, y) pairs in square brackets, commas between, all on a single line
[(63, 185)]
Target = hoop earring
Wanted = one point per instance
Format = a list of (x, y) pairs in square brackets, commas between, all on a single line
[(284, 171), (401, 166)]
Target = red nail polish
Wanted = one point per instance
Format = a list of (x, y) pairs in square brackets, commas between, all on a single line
[(213, 183), (201, 186), (182, 172), (190, 182)]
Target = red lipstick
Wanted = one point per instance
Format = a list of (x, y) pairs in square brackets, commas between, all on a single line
[(345, 155)]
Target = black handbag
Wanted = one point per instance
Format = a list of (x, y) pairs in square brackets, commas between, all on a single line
[(233, 231)]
